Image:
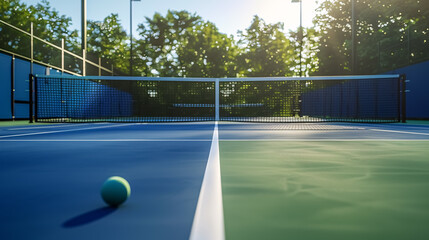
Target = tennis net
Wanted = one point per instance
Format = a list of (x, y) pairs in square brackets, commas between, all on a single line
[(150, 99)]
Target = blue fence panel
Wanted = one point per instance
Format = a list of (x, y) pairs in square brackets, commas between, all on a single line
[(22, 73), (366, 99), (22, 89), (5, 86), (418, 96), (22, 86)]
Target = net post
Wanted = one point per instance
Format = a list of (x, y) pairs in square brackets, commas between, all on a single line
[(31, 47), (402, 79), (12, 84), (62, 55), (31, 87), (217, 99)]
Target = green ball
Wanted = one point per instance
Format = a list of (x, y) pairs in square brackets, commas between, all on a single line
[(115, 191)]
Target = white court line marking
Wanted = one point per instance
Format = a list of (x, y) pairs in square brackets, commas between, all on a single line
[(208, 221), (209, 140), (320, 140), (105, 140), (55, 126), (394, 131), (67, 130)]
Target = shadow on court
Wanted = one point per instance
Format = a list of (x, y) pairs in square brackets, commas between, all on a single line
[(88, 217)]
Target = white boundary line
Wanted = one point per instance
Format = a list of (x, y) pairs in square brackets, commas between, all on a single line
[(105, 140), (208, 221), (321, 140), (67, 130), (49, 126), (394, 131), (209, 140)]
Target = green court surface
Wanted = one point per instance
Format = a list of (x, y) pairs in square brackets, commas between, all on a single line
[(325, 189)]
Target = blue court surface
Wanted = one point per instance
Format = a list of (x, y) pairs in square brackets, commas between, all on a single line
[(51, 176)]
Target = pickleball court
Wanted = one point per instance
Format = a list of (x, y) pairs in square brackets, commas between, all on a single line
[(277, 180)]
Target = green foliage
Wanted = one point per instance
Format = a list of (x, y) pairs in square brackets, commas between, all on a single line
[(266, 51), (15, 13), (206, 52), (310, 48), (48, 24), (389, 34), (177, 44), (335, 35), (161, 39), (182, 44), (395, 30), (108, 40)]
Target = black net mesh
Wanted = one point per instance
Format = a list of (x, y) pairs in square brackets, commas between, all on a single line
[(80, 99), (366, 100), (60, 99)]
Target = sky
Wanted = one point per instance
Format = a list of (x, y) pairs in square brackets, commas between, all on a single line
[(228, 15)]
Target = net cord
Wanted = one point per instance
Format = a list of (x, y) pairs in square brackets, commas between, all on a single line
[(244, 79)]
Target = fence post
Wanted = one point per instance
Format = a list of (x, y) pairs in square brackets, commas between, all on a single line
[(31, 47), (83, 62), (99, 66), (62, 56), (31, 72), (12, 94), (31, 86)]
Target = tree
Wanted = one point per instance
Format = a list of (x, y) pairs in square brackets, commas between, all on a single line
[(335, 35), (205, 52), (310, 48), (15, 13), (182, 44), (108, 40), (389, 33), (265, 50), (160, 41), (48, 25)]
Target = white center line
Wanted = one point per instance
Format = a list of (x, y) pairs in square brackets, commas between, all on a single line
[(394, 131), (208, 220), (59, 131)]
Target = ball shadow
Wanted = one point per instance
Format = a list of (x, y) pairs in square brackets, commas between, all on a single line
[(88, 217)]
